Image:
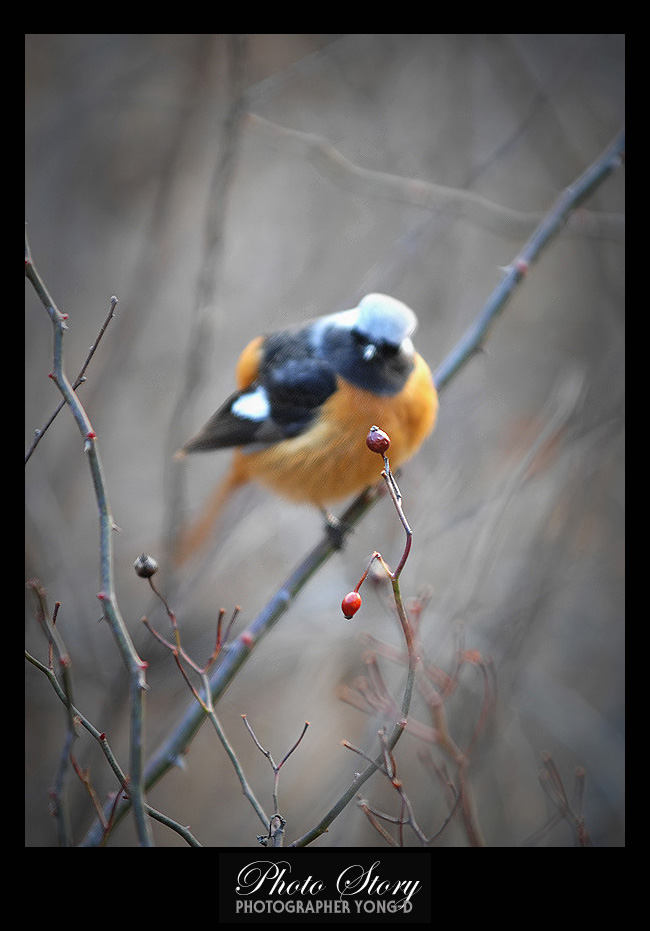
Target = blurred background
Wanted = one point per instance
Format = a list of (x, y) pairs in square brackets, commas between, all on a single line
[(184, 174)]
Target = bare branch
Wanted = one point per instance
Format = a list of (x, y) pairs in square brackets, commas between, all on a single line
[(132, 661)]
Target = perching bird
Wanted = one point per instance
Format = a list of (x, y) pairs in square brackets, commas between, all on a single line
[(306, 399)]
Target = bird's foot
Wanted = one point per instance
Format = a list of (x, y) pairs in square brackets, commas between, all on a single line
[(336, 529)]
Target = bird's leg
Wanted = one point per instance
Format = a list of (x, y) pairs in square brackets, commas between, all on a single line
[(335, 528)]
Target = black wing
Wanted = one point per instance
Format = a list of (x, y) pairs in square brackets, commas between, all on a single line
[(281, 403)]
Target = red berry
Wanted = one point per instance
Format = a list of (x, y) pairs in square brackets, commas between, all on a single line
[(377, 441), (351, 604)]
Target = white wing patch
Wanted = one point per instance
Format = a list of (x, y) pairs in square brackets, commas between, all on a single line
[(252, 406)]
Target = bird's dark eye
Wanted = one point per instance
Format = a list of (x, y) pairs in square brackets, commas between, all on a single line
[(386, 350), (360, 340)]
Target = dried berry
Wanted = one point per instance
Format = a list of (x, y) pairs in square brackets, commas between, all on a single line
[(145, 566)]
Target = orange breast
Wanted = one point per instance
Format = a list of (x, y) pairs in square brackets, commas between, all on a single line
[(331, 461)]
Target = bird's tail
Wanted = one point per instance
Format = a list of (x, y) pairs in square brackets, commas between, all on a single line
[(194, 537)]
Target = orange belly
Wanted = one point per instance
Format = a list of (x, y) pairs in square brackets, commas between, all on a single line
[(330, 461)]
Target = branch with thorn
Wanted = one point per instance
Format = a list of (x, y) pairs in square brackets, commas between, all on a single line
[(63, 689)]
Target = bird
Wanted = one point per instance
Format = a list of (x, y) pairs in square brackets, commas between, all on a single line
[(305, 401)]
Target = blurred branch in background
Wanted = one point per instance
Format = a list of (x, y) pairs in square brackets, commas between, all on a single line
[(456, 202), (201, 323)]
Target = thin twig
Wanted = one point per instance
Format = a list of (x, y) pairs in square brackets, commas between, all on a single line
[(277, 834), (79, 380), (107, 597), (389, 770), (204, 701), (221, 734), (105, 819), (387, 742)]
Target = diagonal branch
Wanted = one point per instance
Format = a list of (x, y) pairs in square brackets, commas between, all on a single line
[(568, 201)]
